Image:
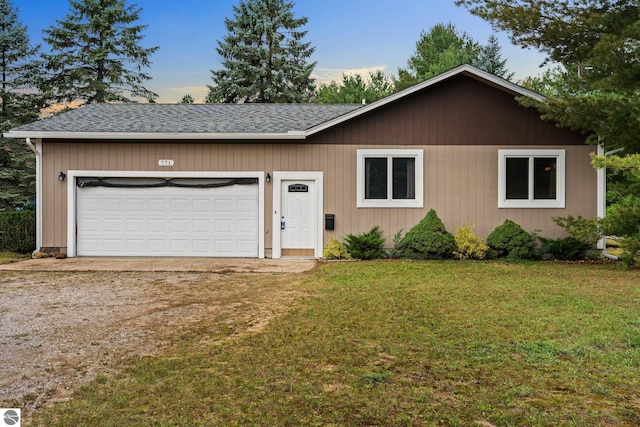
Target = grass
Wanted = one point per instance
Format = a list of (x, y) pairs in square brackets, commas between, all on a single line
[(400, 344), (7, 257)]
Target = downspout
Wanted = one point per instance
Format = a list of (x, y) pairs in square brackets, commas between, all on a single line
[(38, 155), (602, 198)]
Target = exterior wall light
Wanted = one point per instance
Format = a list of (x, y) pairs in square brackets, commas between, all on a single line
[(268, 177), (62, 176)]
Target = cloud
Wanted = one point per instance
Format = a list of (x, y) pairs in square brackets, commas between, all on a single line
[(175, 94), (327, 75), (192, 90)]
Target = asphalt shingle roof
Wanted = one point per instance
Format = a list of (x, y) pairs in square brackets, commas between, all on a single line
[(190, 118)]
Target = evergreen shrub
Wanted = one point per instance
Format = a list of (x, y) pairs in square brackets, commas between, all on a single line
[(429, 239), (510, 241), (18, 231), (369, 245), (568, 248)]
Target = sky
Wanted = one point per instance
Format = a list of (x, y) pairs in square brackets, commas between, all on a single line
[(350, 36)]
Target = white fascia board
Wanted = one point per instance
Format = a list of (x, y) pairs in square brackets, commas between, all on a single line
[(468, 69), (294, 135)]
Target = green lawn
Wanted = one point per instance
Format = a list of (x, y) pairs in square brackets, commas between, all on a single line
[(401, 344), (7, 257)]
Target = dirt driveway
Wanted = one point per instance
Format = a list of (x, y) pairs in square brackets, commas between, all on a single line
[(61, 328)]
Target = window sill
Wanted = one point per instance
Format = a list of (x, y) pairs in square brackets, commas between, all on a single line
[(390, 204), (527, 204)]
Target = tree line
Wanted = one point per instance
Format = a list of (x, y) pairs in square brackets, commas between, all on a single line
[(96, 55)]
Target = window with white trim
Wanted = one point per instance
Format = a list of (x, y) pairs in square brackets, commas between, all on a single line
[(531, 178), (390, 178)]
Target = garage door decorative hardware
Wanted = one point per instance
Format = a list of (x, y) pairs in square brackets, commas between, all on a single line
[(162, 182)]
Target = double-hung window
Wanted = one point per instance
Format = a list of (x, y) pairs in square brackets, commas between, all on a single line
[(390, 178), (531, 179)]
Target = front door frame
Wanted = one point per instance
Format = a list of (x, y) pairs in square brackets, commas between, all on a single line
[(278, 177)]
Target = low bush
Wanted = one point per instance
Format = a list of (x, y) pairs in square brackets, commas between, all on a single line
[(335, 250), (428, 239), (469, 246), (585, 230), (369, 245), (394, 252), (568, 248), (510, 241), (18, 231), (622, 220)]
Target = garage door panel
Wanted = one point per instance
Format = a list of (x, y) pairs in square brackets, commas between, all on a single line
[(246, 226), (168, 221), (112, 246), (157, 225), (135, 206), (178, 226), (135, 246), (157, 247), (201, 225), (135, 225), (112, 205)]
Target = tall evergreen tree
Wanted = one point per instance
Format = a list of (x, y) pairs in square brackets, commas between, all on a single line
[(96, 55), (437, 51), (20, 104), (264, 56), (490, 59), (598, 42)]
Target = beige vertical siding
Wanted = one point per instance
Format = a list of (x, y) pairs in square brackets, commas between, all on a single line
[(460, 124), (460, 182)]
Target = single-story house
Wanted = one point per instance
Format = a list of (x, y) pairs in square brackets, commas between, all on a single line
[(256, 180)]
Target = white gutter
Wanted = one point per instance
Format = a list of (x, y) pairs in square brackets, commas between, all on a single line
[(36, 150), (602, 197)]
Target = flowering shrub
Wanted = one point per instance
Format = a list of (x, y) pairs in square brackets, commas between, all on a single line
[(335, 250), (469, 245)]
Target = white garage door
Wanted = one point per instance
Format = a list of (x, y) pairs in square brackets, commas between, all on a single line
[(168, 221)]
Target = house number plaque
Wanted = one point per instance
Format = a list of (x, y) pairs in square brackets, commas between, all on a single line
[(165, 162)]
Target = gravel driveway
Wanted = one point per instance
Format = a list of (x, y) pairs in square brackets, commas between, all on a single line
[(61, 328)]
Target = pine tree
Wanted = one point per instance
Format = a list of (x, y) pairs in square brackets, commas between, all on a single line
[(264, 56), (490, 59), (21, 103), (96, 55), (187, 99), (437, 51)]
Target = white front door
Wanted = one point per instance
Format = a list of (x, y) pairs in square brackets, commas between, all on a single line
[(298, 218)]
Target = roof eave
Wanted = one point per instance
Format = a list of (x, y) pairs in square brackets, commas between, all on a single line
[(291, 135)]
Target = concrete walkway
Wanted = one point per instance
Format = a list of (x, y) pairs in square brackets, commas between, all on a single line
[(214, 265)]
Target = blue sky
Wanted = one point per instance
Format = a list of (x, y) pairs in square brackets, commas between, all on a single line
[(349, 36)]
